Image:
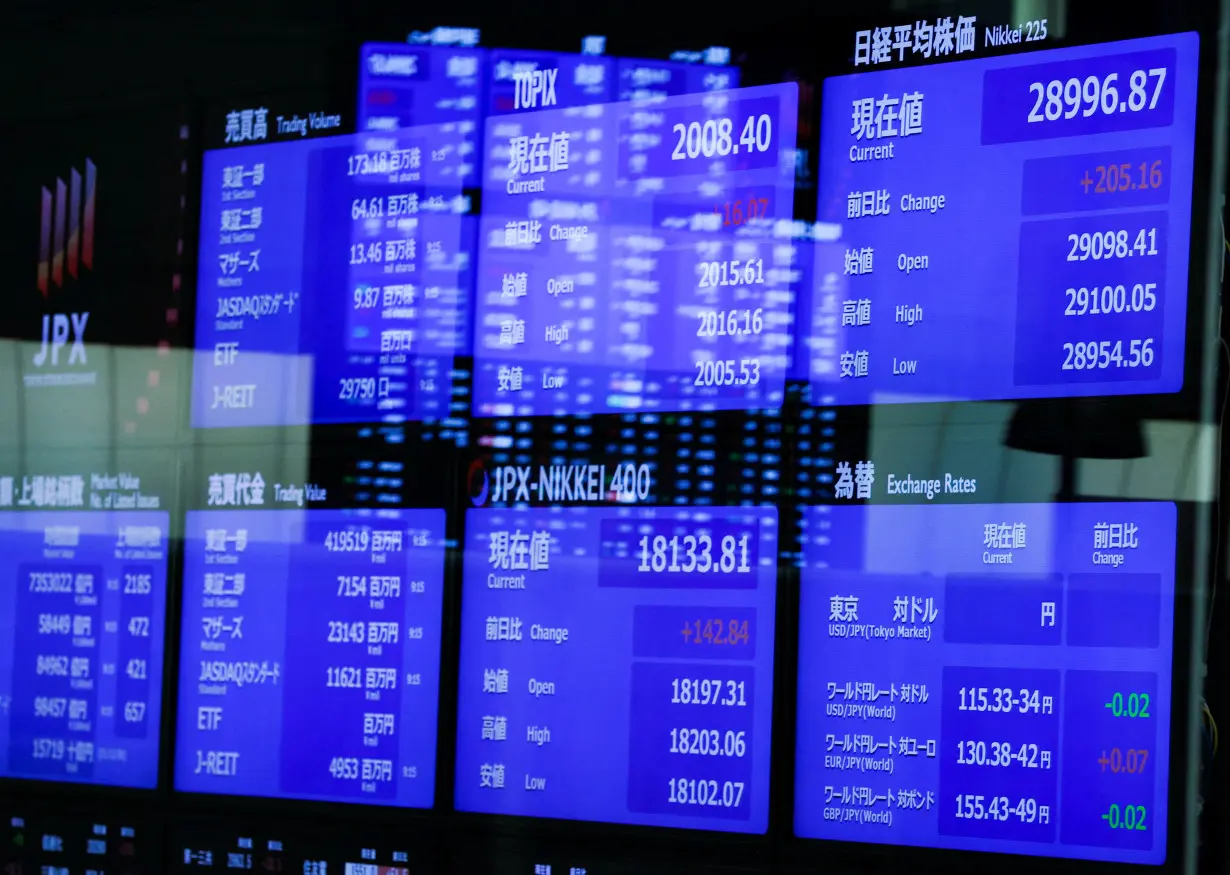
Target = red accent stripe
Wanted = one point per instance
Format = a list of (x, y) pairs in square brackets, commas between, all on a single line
[(74, 221), (87, 239), (44, 241), (57, 245)]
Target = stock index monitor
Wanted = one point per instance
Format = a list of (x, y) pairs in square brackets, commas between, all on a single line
[(626, 255), (617, 665), (332, 281), (1013, 227), (82, 602), (310, 651), (988, 677)]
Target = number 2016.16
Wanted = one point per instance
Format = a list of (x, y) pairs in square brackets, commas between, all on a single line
[(713, 138)]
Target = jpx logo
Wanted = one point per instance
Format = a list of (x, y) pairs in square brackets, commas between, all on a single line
[(66, 244), (534, 88), (55, 336), (71, 221)]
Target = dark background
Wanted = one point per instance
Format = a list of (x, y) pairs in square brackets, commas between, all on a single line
[(135, 85)]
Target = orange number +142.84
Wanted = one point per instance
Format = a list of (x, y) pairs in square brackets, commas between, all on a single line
[(717, 631)]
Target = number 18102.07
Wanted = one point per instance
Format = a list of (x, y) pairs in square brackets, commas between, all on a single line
[(691, 791)]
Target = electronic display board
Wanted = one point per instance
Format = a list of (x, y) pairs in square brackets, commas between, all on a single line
[(988, 677), (310, 649), (60, 843), (324, 850), (617, 664), (512, 857), (403, 86), (1013, 226), (646, 79), (621, 268), (459, 86), (575, 80), (331, 281), (82, 607)]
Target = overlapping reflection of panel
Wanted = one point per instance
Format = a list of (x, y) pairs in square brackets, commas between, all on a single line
[(627, 256), (332, 281)]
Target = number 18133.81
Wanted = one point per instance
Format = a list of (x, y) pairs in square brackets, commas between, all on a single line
[(693, 553)]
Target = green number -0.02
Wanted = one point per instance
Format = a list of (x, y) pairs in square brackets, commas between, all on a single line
[(1127, 817), (1133, 705)]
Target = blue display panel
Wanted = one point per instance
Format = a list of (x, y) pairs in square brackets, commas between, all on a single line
[(617, 665), (647, 79), (575, 80), (626, 256), (331, 281), (82, 607), (402, 86), (457, 87), (988, 677), (310, 655), (1038, 202)]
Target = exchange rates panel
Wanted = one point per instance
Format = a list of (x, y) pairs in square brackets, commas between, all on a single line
[(82, 602), (988, 678), (1013, 227), (617, 665), (310, 655), (331, 281), (626, 256)]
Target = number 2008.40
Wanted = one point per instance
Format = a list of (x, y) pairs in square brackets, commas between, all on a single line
[(712, 138)]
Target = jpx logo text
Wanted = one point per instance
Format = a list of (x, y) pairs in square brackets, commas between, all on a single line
[(66, 239)]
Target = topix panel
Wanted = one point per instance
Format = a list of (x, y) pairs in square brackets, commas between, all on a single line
[(991, 677), (332, 281), (626, 256), (310, 655), (617, 665), (1013, 227), (82, 602)]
